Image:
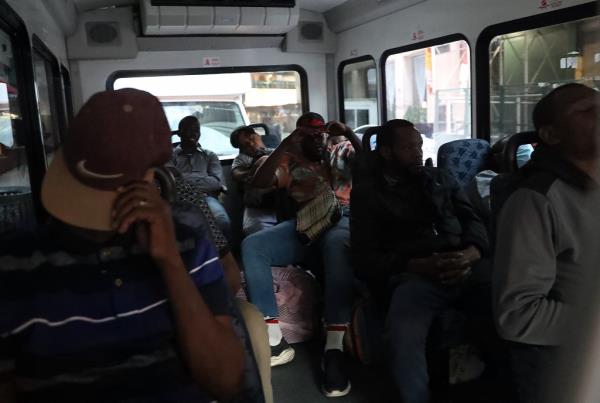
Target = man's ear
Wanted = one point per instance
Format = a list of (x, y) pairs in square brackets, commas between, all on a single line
[(548, 135)]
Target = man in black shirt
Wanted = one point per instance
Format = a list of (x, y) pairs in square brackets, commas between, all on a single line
[(415, 239)]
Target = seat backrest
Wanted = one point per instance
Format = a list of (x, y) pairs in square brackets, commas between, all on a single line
[(370, 133), (463, 159), (509, 157)]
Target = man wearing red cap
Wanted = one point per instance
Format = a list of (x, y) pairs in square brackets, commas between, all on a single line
[(113, 301), (319, 180)]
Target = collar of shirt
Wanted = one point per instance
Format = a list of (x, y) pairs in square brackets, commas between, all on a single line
[(198, 149)]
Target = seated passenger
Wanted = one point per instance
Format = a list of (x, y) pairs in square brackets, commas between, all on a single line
[(301, 165), (201, 168), (259, 208), (107, 302), (415, 240), (547, 239)]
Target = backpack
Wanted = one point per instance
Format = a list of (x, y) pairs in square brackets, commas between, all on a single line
[(364, 338)]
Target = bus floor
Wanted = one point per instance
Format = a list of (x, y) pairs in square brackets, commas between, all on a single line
[(300, 382)]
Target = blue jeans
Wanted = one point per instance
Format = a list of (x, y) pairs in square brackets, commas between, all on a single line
[(221, 216), (414, 304), (280, 246)]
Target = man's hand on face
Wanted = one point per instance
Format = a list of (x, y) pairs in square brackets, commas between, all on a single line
[(296, 137), (140, 203), (335, 128)]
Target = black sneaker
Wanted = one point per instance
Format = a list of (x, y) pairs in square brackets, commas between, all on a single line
[(335, 378), (281, 353)]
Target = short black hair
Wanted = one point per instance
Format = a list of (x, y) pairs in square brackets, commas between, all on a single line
[(186, 121), (309, 116), (386, 135), (234, 138), (545, 111)]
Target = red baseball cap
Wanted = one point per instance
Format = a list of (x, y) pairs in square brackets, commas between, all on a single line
[(115, 139)]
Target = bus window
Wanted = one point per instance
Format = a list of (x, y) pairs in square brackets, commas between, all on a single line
[(526, 65), (49, 97), (225, 101), (431, 87), (358, 92), (15, 190), (68, 99)]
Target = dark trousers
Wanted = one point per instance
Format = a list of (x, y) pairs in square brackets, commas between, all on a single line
[(414, 304), (530, 365)]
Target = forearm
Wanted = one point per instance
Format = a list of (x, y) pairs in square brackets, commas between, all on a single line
[(212, 351), (7, 388), (240, 174), (207, 183), (265, 174), (354, 140), (232, 273), (529, 319)]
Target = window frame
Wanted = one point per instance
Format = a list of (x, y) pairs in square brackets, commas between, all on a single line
[(67, 88), (416, 46), (110, 81), (12, 24), (56, 92), (340, 78), (482, 68)]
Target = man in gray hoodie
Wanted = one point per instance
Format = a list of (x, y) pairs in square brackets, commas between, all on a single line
[(547, 238)]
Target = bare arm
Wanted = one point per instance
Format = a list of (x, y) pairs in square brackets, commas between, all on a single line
[(232, 273), (210, 347), (240, 174), (213, 352), (7, 388), (265, 174)]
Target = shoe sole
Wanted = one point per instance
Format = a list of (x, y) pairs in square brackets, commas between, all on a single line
[(336, 393), (286, 356)]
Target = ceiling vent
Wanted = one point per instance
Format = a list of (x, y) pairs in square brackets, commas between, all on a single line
[(179, 20), (226, 3)]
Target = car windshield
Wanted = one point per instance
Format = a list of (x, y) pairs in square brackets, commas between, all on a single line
[(217, 121)]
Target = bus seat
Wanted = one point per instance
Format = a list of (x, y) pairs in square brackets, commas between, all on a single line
[(463, 159), (16, 209), (511, 148)]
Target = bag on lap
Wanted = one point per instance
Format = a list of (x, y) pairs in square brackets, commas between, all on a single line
[(317, 216)]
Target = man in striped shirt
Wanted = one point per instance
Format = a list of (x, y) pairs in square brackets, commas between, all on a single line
[(112, 301)]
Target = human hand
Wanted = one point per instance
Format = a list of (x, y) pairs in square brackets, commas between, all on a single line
[(458, 265), (434, 265), (336, 128), (296, 137), (140, 203)]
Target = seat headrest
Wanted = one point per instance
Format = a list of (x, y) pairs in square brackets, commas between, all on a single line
[(509, 160), (366, 139)]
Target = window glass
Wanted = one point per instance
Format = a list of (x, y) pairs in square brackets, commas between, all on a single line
[(16, 210), (526, 65), (222, 102), (47, 99), (431, 87), (359, 82)]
